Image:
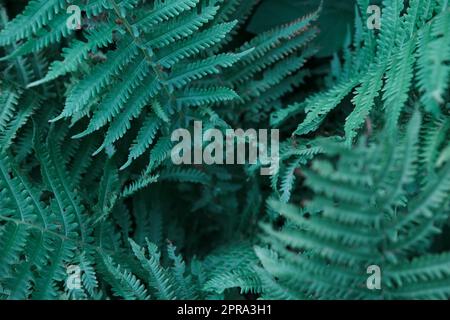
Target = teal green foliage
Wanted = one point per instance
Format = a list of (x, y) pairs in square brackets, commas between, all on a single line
[(373, 218), (88, 189)]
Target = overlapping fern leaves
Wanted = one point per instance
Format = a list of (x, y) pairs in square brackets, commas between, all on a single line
[(382, 72), (373, 218), (86, 182), (136, 71), (382, 67)]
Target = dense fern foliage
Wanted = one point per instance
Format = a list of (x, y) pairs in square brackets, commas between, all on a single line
[(92, 206)]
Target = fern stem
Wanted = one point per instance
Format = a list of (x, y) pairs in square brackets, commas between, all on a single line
[(151, 62)]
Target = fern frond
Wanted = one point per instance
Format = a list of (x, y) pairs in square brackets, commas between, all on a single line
[(360, 202), (36, 14), (433, 68), (77, 53), (185, 175), (159, 278), (144, 139), (123, 282)]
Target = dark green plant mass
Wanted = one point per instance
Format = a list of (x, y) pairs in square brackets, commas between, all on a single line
[(93, 207)]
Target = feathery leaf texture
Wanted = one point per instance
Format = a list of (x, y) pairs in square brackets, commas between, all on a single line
[(92, 206)]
